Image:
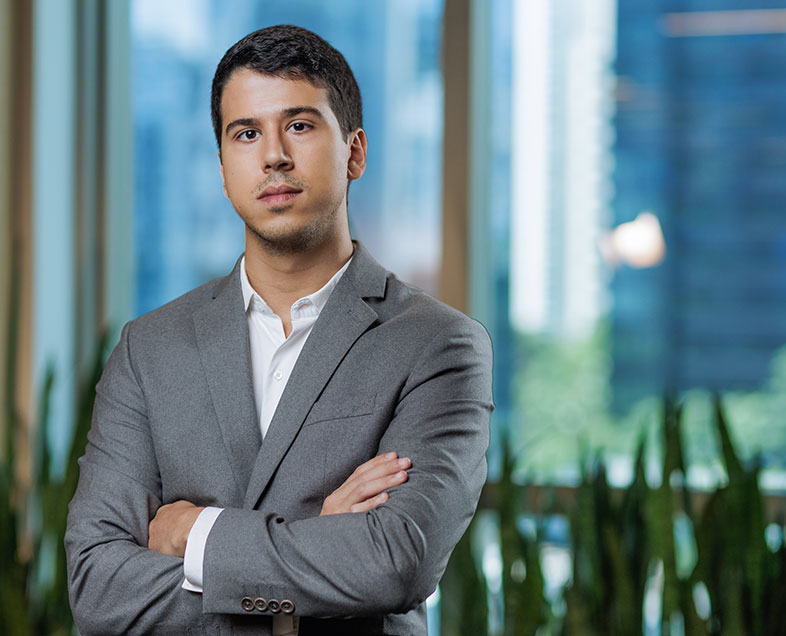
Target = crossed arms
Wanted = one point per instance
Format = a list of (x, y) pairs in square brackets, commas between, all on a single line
[(387, 557), (366, 488)]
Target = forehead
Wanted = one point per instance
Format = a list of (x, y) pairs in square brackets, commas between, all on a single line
[(248, 93)]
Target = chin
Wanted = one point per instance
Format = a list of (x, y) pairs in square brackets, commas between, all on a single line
[(291, 241)]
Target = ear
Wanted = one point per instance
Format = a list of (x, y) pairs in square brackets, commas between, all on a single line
[(358, 147), (221, 170)]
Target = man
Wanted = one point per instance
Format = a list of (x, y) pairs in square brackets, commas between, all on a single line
[(297, 447)]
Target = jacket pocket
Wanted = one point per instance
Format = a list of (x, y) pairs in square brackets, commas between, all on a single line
[(328, 409)]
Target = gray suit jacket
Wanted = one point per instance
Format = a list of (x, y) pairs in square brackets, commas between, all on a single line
[(386, 368)]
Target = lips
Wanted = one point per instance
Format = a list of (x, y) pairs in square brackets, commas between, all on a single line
[(276, 195)]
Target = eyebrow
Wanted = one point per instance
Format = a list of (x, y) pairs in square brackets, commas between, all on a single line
[(285, 114)]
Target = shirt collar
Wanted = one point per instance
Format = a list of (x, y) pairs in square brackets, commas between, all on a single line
[(317, 300)]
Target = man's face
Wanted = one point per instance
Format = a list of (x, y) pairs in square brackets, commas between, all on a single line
[(284, 162)]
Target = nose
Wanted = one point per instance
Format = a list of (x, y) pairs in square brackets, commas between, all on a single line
[(275, 155)]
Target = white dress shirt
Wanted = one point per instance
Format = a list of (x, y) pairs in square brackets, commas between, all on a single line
[(273, 356)]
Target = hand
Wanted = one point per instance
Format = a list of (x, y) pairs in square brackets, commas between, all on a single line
[(168, 531), (365, 488)]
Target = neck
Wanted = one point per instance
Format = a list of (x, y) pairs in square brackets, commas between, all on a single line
[(280, 279)]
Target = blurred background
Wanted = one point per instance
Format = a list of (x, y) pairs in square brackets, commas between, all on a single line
[(602, 183)]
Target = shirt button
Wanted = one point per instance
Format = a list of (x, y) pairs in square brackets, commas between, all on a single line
[(277, 374)]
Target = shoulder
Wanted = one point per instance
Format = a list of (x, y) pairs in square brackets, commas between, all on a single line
[(424, 321), (404, 300), (172, 324), (405, 313), (177, 311)]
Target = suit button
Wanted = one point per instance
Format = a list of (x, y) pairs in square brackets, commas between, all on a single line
[(273, 606), (247, 604), (260, 604), (287, 606)]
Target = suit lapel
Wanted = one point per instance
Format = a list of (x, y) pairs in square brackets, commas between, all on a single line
[(222, 338), (341, 322)]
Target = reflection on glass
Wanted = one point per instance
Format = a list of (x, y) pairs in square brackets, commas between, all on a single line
[(638, 243)]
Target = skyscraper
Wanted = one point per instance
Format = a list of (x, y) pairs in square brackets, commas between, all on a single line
[(701, 142)]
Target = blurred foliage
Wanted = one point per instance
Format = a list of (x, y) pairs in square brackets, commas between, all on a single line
[(463, 604), (563, 393), (33, 591), (556, 426), (524, 604), (711, 571)]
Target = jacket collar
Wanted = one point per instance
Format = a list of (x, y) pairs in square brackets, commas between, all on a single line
[(222, 339)]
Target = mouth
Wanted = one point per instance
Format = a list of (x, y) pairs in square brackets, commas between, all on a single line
[(276, 195)]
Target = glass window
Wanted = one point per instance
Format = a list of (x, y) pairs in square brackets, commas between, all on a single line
[(186, 231), (639, 248), (644, 240)]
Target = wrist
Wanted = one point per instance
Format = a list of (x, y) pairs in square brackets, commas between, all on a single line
[(188, 519)]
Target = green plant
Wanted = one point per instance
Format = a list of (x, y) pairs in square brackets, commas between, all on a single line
[(745, 580), (464, 590), (617, 547), (627, 543), (16, 569), (610, 555), (51, 610), (524, 605), (463, 606), (33, 591)]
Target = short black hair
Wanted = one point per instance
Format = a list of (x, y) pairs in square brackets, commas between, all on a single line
[(294, 53)]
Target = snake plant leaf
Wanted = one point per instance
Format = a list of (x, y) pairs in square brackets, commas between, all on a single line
[(623, 617), (731, 461), (464, 594), (659, 511), (14, 607), (756, 555), (579, 618), (635, 532), (733, 557), (774, 607), (672, 448), (694, 625), (525, 606), (586, 597), (526, 609), (14, 619)]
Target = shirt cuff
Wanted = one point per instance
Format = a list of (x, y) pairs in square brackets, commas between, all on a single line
[(195, 548)]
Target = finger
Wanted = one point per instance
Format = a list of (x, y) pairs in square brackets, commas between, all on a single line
[(372, 469), (377, 468), (368, 504), (373, 487), (374, 462), (380, 469), (374, 476)]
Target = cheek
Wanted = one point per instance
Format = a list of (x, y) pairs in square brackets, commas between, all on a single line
[(328, 161), (235, 176)]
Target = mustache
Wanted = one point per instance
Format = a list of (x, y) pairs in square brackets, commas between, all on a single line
[(279, 181)]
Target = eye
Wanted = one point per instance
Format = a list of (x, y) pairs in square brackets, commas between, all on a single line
[(248, 135), (300, 126)]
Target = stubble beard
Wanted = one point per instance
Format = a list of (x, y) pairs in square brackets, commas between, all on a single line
[(296, 240)]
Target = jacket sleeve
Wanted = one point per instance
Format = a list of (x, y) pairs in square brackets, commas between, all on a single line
[(390, 559), (116, 584)]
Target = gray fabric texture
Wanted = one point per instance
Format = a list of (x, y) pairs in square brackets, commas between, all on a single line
[(386, 368)]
